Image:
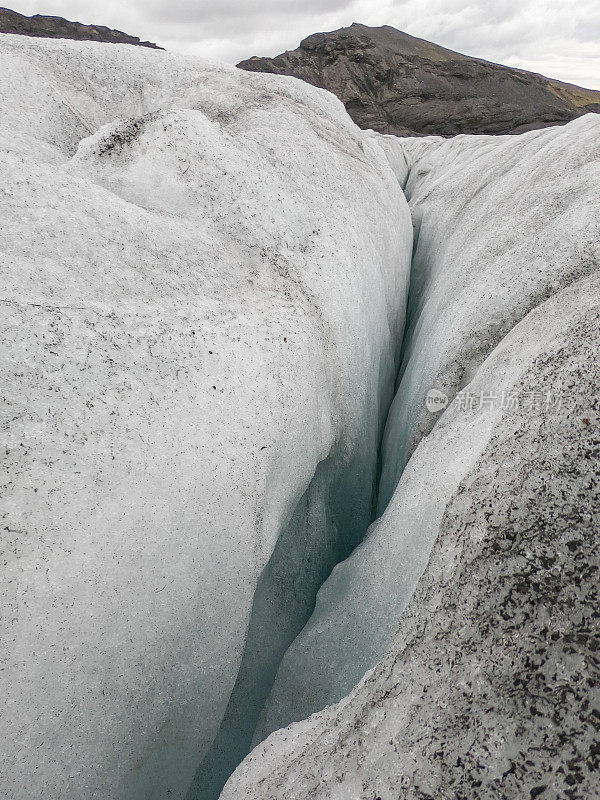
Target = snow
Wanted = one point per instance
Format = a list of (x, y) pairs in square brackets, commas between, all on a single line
[(501, 224), (205, 273)]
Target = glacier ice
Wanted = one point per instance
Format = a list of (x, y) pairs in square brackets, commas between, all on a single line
[(501, 224), (205, 273), (488, 688)]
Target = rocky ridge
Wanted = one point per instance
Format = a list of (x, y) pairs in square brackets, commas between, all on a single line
[(50, 27), (397, 84)]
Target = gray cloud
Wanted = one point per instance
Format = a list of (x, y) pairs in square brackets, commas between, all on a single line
[(556, 37), (225, 10), (232, 19)]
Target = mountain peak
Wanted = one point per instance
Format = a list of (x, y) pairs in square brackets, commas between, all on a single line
[(397, 83)]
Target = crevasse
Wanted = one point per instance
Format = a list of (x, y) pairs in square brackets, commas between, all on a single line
[(328, 523), (507, 251), (471, 284)]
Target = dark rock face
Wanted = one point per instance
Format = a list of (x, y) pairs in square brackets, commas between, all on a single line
[(59, 28), (394, 83)]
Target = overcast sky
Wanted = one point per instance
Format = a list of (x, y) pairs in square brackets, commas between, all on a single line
[(558, 38)]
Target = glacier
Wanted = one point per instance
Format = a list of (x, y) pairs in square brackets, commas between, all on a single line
[(224, 308), (501, 225), (489, 687), (472, 604), (205, 276)]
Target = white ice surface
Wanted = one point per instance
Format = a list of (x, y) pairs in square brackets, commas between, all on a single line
[(469, 697), (501, 224), (204, 277)]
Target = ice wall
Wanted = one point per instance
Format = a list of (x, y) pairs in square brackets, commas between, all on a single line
[(489, 688), (501, 224), (205, 274)]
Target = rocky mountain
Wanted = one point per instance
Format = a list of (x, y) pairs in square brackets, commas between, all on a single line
[(59, 28), (395, 83)]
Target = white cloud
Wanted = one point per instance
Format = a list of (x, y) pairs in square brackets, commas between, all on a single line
[(556, 37)]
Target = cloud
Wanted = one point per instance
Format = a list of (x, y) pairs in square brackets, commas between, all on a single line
[(548, 36), (234, 21), (217, 11), (556, 37)]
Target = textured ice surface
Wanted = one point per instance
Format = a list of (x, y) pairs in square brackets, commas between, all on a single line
[(204, 278), (490, 687), (501, 225)]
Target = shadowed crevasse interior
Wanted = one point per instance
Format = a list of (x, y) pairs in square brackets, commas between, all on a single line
[(328, 523)]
